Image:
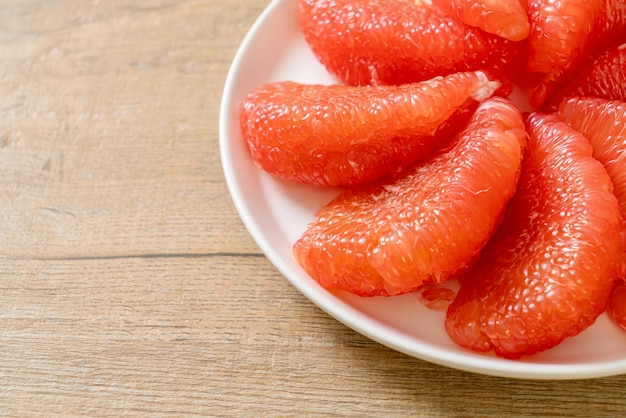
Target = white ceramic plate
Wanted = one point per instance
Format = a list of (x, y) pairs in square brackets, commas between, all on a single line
[(276, 213)]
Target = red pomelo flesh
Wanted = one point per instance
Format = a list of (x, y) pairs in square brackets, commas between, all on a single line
[(547, 273), (603, 123), (392, 238), (341, 135), (396, 42), (505, 18), (564, 34), (603, 77), (559, 32)]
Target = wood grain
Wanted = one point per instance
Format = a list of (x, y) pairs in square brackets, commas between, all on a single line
[(128, 284)]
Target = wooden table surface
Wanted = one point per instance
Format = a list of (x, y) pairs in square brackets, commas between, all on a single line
[(128, 284)]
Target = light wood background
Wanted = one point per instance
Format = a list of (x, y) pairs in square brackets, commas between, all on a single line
[(128, 284)]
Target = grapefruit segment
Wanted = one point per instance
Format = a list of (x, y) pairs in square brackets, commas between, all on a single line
[(548, 271), (603, 123), (604, 77), (342, 135), (559, 32), (564, 33), (506, 18), (611, 30), (393, 237), (396, 42)]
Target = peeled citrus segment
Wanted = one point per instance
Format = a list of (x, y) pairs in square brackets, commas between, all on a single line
[(396, 41), (611, 30), (603, 123), (559, 32), (341, 135), (506, 18), (564, 33), (547, 273), (604, 77), (394, 237)]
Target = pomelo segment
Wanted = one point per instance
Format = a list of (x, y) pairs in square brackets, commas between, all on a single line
[(547, 273), (342, 135), (603, 123), (611, 30), (396, 42), (603, 77), (564, 33), (394, 237), (559, 32), (506, 18)]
